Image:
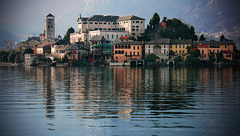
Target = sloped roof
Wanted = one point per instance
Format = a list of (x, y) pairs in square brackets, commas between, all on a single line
[(78, 46), (50, 15), (160, 41), (129, 43), (212, 43), (182, 41), (131, 17), (106, 18)]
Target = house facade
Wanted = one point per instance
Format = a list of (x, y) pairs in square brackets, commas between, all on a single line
[(214, 47), (180, 46), (159, 47), (77, 51), (115, 26), (126, 51)]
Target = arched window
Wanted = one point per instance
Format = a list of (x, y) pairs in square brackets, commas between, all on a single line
[(115, 52), (122, 52)]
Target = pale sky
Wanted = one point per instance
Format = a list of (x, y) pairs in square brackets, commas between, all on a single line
[(23, 18)]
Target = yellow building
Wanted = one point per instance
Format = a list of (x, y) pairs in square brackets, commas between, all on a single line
[(179, 47)]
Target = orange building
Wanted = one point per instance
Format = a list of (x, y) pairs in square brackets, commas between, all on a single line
[(215, 47), (125, 51)]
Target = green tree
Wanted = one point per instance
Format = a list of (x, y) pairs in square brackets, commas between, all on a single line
[(164, 19), (28, 51), (18, 58), (220, 56), (65, 58), (202, 38), (66, 37), (11, 56), (222, 38), (196, 53), (154, 20), (4, 56), (178, 59), (151, 57)]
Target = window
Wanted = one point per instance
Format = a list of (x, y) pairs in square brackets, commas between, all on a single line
[(137, 29), (179, 46), (100, 22), (138, 47), (133, 29), (202, 51), (133, 26), (104, 23), (141, 21), (176, 51), (133, 21), (138, 53), (183, 51), (149, 46), (126, 53), (133, 47), (149, 51), (112, 36), (108, 36), (109, 28), (137, 26), (225, 46), (84, 22), (96, 22), (116, 36), (133, 33), (100, 28), (217, 51), (108, 23), (96, 28), (137, 21), (130, 53), (164, 46), (90, 22), (104, 28), (133, 53), (164, 51)]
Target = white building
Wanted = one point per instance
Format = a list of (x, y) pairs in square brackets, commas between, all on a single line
[(111, 27), (159, 47)]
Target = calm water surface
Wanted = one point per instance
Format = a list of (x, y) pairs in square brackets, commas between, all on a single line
[(119, 101)]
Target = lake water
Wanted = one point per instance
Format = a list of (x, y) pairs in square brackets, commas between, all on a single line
[(106, 101)]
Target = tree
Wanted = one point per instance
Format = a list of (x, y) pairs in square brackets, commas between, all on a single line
[(151, 57), (178, 59), (196, 53), (4, 56), (202, 38), (11, 56), (220, 56), (8, 44), (28, 51), (222, 38), (66, 37), (154, 20), (164, 19), (18, 58)]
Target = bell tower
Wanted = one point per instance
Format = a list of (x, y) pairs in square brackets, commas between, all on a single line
[(50, 27)]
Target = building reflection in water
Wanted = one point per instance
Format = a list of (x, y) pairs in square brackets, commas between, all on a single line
[(121, 92)]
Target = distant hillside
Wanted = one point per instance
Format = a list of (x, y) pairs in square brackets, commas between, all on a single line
[(5, 35)]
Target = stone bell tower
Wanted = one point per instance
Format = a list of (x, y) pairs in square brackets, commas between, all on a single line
[(50, 27)]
